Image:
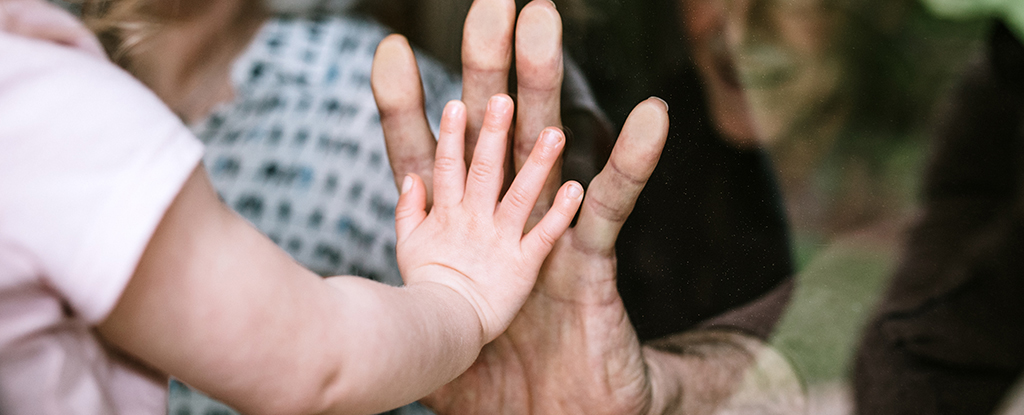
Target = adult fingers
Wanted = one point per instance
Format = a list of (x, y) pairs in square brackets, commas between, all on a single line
[(449, 167), (614, 191), (484, 180), (539, 83), (395, 79), (486, 58), (521, 197)]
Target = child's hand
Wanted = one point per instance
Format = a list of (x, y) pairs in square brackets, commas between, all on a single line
[(470, 242)]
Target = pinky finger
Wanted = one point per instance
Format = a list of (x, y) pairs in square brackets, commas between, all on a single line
[(411, 208), (538, 243)]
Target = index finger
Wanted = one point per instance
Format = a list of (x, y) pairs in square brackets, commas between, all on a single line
[(613, 193), (395, 79)]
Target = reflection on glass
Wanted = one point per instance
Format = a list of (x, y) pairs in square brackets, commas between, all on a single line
[(836, 96), (839, 94)]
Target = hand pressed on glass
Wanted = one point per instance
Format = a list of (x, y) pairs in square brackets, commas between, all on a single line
[(467, 222)]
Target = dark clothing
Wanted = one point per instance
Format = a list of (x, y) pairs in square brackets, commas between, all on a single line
[(948, 338), (708, 233)]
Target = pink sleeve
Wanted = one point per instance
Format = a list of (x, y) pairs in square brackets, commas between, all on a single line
[(89, 161)]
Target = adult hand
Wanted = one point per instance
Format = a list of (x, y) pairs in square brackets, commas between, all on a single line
[(486, 59), (571, 349)]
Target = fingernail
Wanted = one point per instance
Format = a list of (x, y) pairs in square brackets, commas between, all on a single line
[(453, 108), (574, 190), (406, 184), (553, 4), (499, 103), (662, 103), (551, 137)]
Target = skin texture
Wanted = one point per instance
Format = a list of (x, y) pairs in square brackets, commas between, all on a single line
[(219, 306), (216, 304), (571, 349), (486, 57)]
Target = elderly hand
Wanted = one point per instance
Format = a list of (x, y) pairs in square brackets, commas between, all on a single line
[(571, 349)]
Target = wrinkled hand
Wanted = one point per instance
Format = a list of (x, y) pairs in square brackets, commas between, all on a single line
[(486, 59), (470, 242), (571, 349)]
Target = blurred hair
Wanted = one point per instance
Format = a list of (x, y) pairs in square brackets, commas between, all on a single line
[(123, 26), (120, 25)]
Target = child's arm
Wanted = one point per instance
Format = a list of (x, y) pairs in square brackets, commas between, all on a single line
[(219, 306)]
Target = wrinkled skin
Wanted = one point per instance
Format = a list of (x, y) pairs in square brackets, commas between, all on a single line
[(571, 349)]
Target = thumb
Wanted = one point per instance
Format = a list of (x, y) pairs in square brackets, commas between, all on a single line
[(411, 207)]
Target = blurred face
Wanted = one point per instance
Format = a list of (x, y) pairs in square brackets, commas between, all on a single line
[(705, 24), (787, 62)]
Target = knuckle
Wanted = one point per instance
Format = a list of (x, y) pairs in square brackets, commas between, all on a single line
[(625, 176), (540, 75), (546, 238), (484, 169), (410, 163), (398, 106), (447, 164), (484, 62), (518, 198), (404, 211), (608, 211)]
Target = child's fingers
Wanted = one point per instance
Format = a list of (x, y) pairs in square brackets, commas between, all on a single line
[(540, 240), (483, 183), (449, 167), (411, 208), (521, 197)]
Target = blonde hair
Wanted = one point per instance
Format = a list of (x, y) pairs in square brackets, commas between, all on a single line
[(120, 25)]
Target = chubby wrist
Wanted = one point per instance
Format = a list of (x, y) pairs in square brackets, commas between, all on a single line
[(462, 324)]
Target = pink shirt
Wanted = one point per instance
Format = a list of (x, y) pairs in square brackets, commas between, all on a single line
[(89, 161)]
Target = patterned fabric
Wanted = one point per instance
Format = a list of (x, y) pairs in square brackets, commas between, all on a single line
[(300, 152)]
